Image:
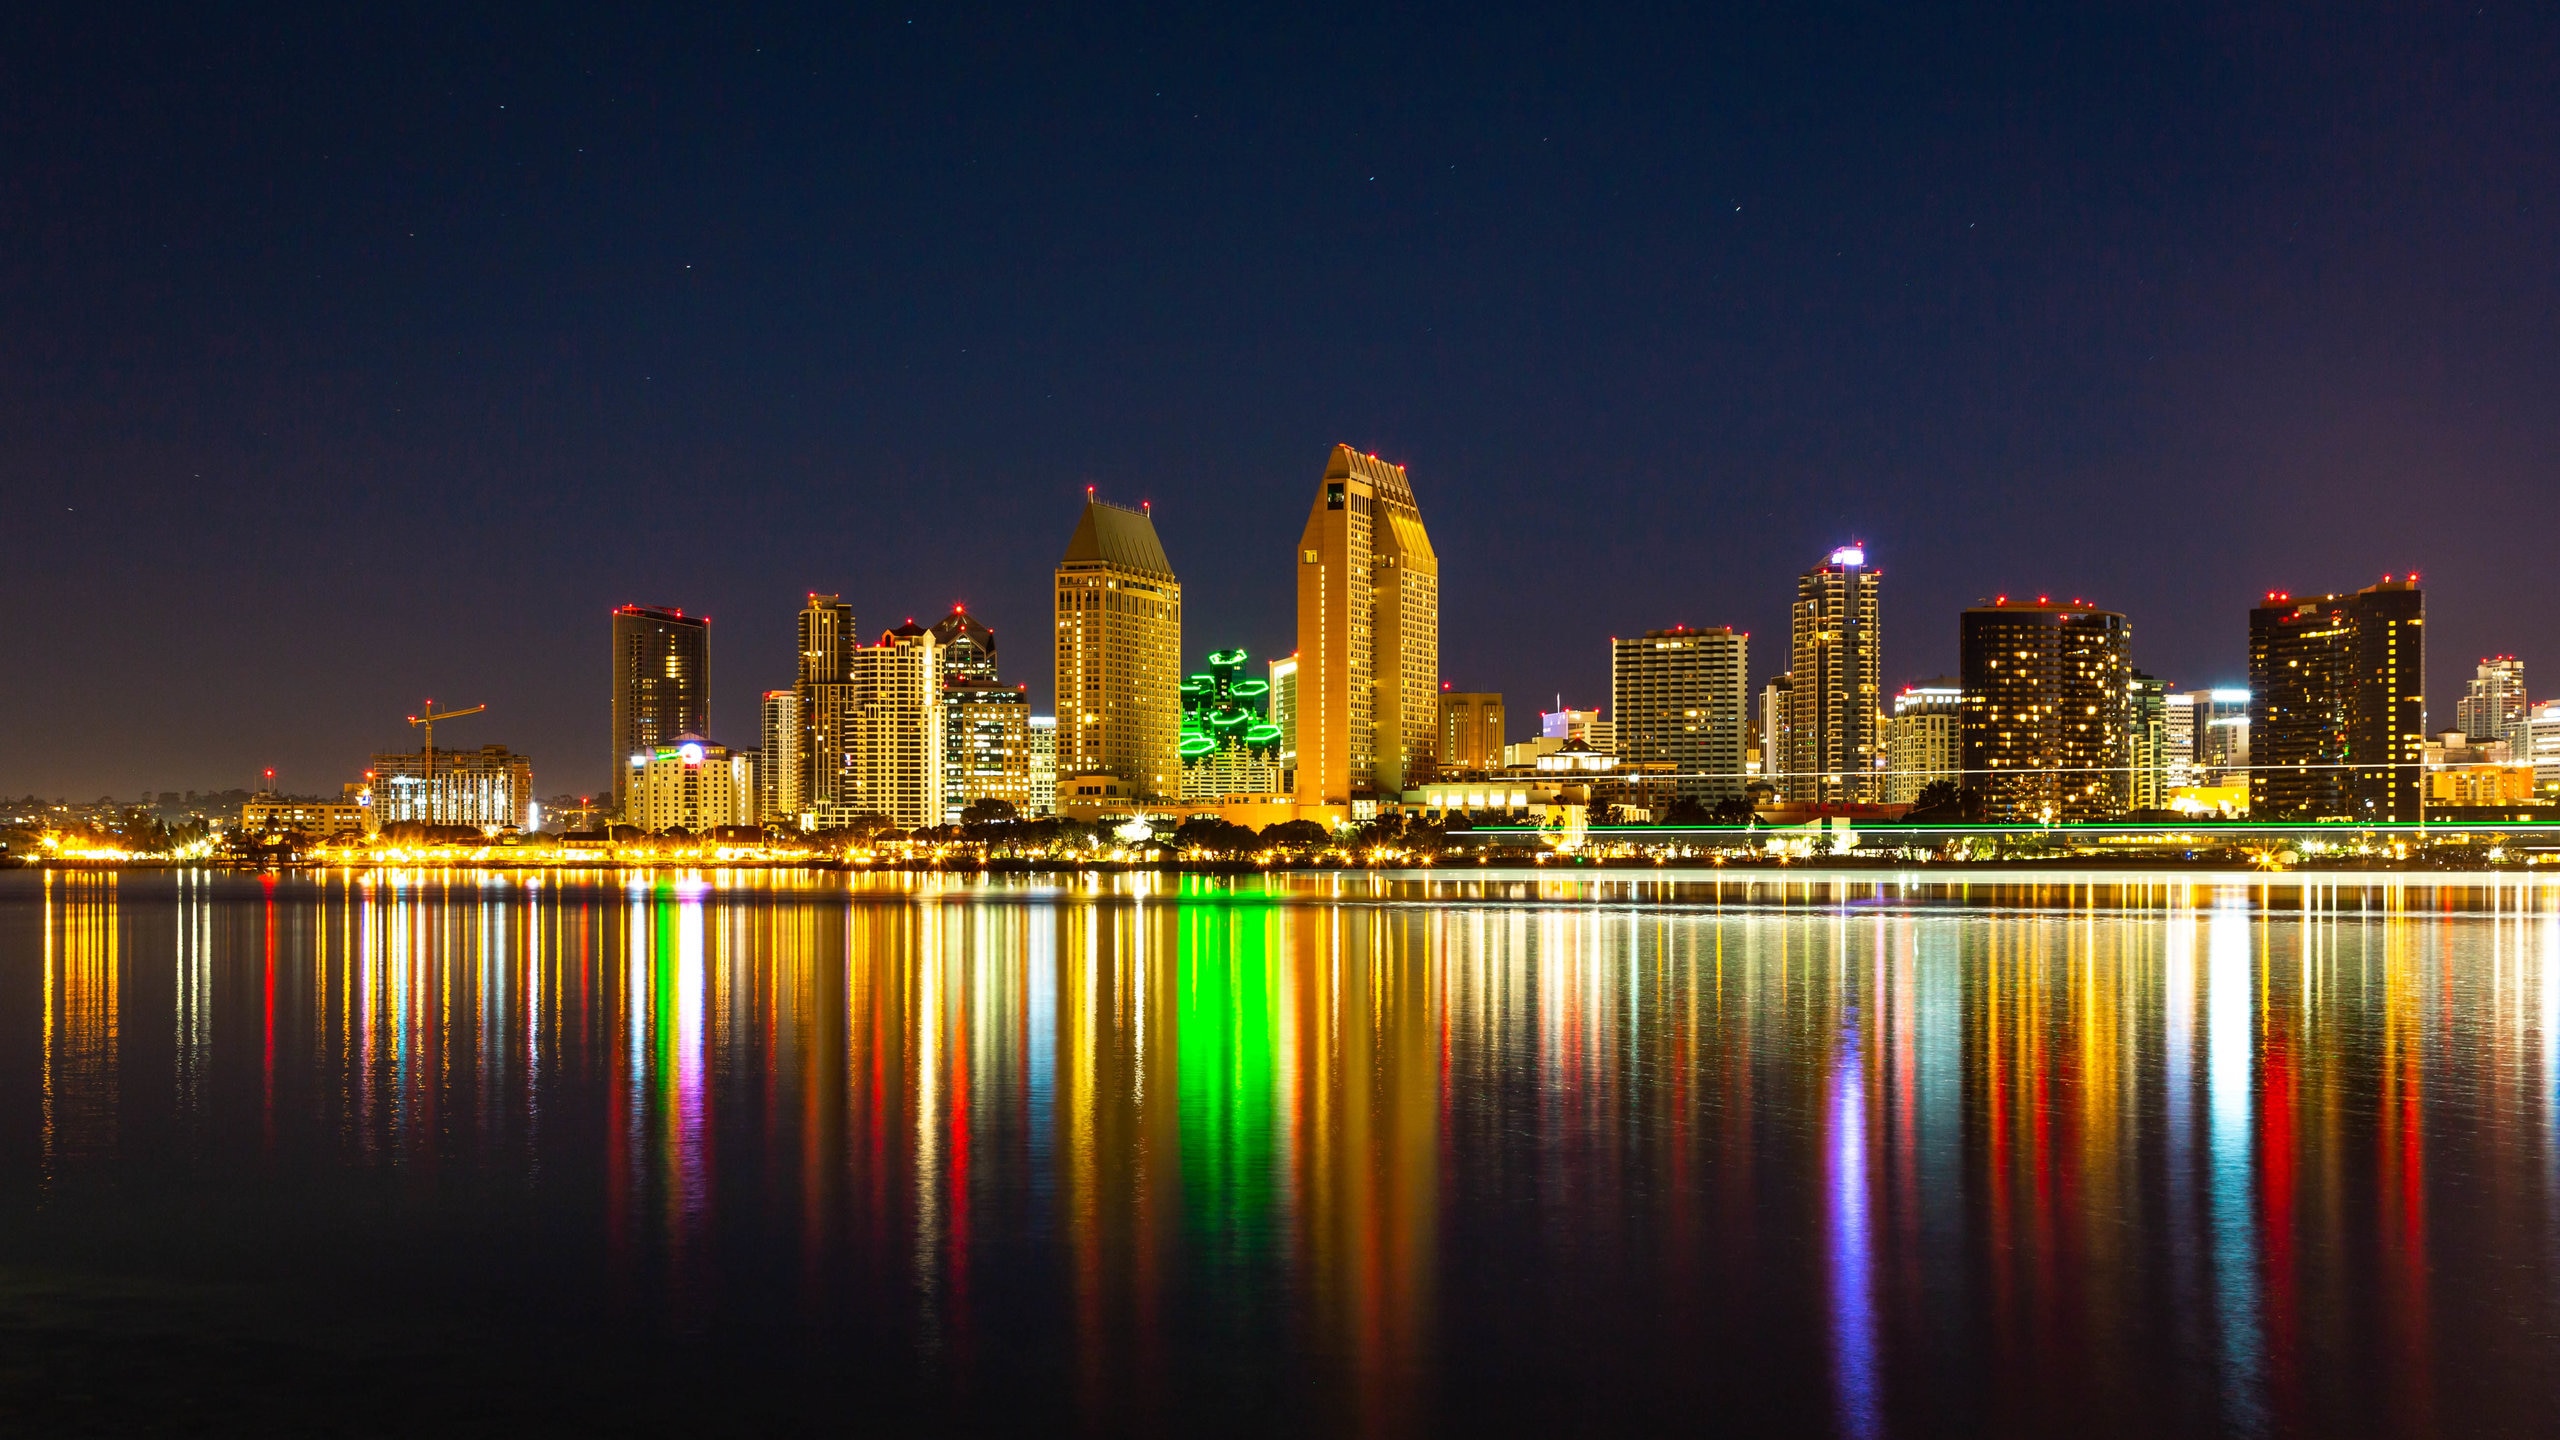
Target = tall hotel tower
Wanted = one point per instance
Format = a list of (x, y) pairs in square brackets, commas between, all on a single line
[(1837, 696), (826, 697), (1119, 690), (1368, 636), (2337, 704), (661, 684)]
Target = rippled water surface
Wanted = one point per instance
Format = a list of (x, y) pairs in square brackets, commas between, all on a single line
[(456, 1153)]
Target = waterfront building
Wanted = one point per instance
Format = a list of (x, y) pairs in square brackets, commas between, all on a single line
[(1368, 636), (877, 735), (2337, 704), (826, 634), (782, 771), (1836, 689), (1471, 723), (2493, 706), (1777, 739), (2147, 736), (986, 751), (1044, 765), (692, 785), (1229, 745), (1923, 738), (313, 819), (1119, 652), (661, 683), (2045, 728), (491, 788), (1680, 697)]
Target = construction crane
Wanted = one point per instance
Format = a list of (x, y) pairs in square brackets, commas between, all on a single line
[(427, 722)]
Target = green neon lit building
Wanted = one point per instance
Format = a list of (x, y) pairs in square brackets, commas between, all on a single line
[(1229, 745)]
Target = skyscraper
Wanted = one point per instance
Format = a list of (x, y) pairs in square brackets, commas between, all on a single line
[(2492, 706), (1837, 681), (1683, 696), (1471, 729), (986, 731), (2147, 731), (968, 648), (1119, 653), (1368, 636), (782, 773), (2337, 704), (661, 684), (2045, 705), (827, 637), (879, 731)]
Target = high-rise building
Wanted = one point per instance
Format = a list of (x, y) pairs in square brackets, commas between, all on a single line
[(2337, 707), (878, 735), (491, 787), (1284, 713), (2178, 726), (986, 746), (1044, 765), (1368, 636), (2147, 736), (661, 683), (2045, 719), (782, 771), (827, 635), (1682, 696), (1923, 739), (2217, 736), (1471, 725), (1836, 694), (968, 648), (2492, 706), (1119, 653), (691, 784), (1777, 731), (1229, 745)]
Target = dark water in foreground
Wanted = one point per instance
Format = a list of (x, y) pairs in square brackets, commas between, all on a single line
[(457, 1153)]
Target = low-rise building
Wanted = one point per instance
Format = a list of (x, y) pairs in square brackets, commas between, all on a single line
[(1923, 738), (691, 785), (313, 819), (2463, 773)]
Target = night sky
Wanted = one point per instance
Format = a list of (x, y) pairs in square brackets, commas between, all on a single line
[(353, 356)]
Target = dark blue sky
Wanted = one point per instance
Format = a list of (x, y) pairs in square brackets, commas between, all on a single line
[(357, 355)]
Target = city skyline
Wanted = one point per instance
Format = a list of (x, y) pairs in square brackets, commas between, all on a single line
[(431, 368), (749, 729)]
